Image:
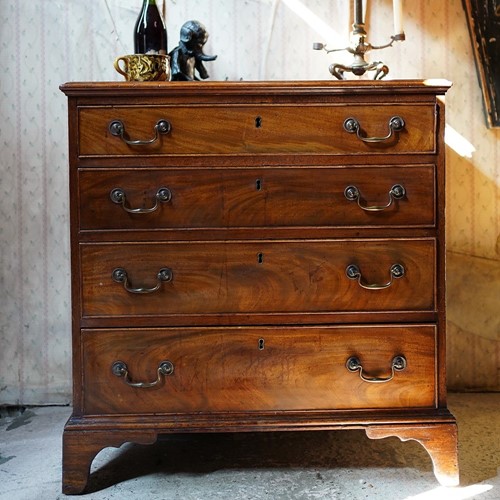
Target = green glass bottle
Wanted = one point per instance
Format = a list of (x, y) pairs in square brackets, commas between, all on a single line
[(150, 34)]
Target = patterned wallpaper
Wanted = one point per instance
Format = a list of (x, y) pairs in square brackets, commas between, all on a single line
[(45, 43)]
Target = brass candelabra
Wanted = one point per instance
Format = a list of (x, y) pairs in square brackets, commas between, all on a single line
[(359, 47)]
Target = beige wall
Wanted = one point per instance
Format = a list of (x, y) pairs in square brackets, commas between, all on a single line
[(45, 43)]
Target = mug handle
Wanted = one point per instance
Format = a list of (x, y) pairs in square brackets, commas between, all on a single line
[(118, 68)]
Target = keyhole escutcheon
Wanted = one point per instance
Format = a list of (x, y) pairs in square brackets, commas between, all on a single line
[(258, 122), (261, 344)]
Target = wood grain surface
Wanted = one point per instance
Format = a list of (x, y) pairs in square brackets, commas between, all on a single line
[(235, 129), (251, 197), (226, 369), (281, 276)]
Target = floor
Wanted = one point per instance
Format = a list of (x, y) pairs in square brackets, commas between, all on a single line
[(341, 465)]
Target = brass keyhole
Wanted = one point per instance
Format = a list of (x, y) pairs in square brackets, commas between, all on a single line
[(258, 184), (258, 122), (261, 344), (260, 258)]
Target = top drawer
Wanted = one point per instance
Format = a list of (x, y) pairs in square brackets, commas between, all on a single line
[(228, 129)]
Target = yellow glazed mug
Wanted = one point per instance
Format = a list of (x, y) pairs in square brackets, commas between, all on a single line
[(143, 67)]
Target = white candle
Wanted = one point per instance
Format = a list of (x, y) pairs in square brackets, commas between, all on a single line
[(397, 7)]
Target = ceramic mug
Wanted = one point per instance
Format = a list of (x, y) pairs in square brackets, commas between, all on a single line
[(143, 67)]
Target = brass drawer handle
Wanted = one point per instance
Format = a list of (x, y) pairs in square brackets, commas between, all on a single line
[(353, 364), (120, 369), (117, 128), (119, 197), (120, 276), (396, 124), (353, 273), (397, 192)]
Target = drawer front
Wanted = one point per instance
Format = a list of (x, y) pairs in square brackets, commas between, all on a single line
[(268, 197), (257, 277), (268, 129), (258, 369)]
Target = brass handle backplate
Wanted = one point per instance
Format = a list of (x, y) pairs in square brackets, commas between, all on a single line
[(398, 364), (117, 129), (397, 192), (352, 272), (120, 369), (352, 125), (120, 276), (119, 197)]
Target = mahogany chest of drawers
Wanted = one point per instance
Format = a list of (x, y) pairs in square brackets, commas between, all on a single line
[(257, 256)]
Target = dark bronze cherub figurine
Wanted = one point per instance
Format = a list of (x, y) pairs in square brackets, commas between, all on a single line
[(188, 56)]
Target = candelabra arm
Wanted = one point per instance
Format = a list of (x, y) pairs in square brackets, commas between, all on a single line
[(390, 44), (337, 50), (322, 46)]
